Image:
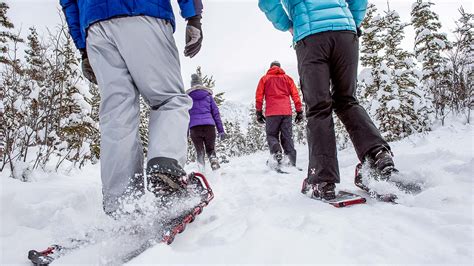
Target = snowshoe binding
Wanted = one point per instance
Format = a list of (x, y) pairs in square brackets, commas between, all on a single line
[(326, 193)]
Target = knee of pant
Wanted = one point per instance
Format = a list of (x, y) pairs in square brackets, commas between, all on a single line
[(171, 102), (322, 108)]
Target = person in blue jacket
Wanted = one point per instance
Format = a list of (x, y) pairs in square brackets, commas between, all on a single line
[(325, 33), (128, 49)]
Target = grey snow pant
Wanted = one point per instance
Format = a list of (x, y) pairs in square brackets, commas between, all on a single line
[(325, 59), (279, 128), (134, 56)]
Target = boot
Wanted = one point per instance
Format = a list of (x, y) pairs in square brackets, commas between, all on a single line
[(214, 162), (165, 176), (326, 191)]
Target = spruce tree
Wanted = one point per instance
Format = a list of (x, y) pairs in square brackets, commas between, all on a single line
[(256, 136), (397, 113), (462, 65), (430, 45), (371, 78)]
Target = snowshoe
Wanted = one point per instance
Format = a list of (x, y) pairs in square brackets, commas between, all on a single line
[(196, 184), (364, 172), (325, 192)]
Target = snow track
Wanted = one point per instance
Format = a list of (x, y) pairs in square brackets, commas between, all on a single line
[(259, 216)]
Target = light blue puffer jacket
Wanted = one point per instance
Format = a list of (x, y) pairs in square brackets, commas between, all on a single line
[(312, 16)]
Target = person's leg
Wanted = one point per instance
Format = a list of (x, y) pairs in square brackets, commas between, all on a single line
[(148, 48), (210, 140), (313, 53), (121, 153), (344, 60), (272, 128), (286, 129), (198, 141)]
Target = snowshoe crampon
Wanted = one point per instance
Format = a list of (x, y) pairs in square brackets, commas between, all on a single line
[(196, 184), (342, 199)]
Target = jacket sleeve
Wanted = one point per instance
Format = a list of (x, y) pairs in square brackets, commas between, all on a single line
[(216, 115), (190, 8), (71, 12), (358, 9), (295, 95), (260, 95), (274, 11)]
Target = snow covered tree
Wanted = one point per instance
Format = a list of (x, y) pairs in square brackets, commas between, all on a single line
[(430, 45), (371, 79), (256, 136), (10, 75), (299, 130), (234, 145), (461, 59), (400, 103)]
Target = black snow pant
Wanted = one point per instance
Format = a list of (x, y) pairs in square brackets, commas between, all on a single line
[(327, 66), (204, 140), (279, 128)]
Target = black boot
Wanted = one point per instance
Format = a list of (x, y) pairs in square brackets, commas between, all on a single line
[(381, 161), (325, 190), (165, 176)]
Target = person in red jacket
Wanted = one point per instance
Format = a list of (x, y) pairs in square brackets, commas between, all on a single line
[(276, 88)]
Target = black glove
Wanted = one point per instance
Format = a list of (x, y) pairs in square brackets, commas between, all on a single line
[(359, 32), (260, 117), (299, 117), (193, 36), (86, 67)]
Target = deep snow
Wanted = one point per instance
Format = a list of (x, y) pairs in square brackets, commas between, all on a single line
[(259, 216)]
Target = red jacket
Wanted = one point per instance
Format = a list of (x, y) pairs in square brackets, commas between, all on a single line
[(276, 88)]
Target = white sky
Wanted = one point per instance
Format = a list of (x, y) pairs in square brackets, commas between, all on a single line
[(239, 43)]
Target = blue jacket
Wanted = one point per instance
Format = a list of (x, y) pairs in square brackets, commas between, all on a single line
[(308, 17), (80, 14)]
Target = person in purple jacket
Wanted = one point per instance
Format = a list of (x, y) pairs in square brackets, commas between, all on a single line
[(204, 119)]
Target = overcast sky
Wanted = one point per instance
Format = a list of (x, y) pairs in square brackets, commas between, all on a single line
[(239, 43)]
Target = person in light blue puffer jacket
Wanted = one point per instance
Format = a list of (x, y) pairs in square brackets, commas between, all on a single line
[(306, 17), (325, 33)]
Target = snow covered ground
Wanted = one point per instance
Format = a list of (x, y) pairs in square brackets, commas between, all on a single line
[(259, 216)]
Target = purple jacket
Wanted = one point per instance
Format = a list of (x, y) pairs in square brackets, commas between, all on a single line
[(205, 110)]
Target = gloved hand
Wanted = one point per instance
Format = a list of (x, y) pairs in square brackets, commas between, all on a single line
[(193, 36), (359, 32), (86, 67), (260, 117), (299, 117), (222, 136)]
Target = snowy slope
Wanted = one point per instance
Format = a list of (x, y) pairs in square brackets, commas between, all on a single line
[(259, 216)]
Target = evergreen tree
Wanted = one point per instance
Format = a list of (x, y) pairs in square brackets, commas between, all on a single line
[(256, 136), (209, 82), (372, 78), (397, 114), (462, 65), (429, 47), (11, 73)]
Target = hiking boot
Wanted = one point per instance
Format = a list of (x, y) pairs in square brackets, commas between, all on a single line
[(165, 176), (382, 162), (325, 190)]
